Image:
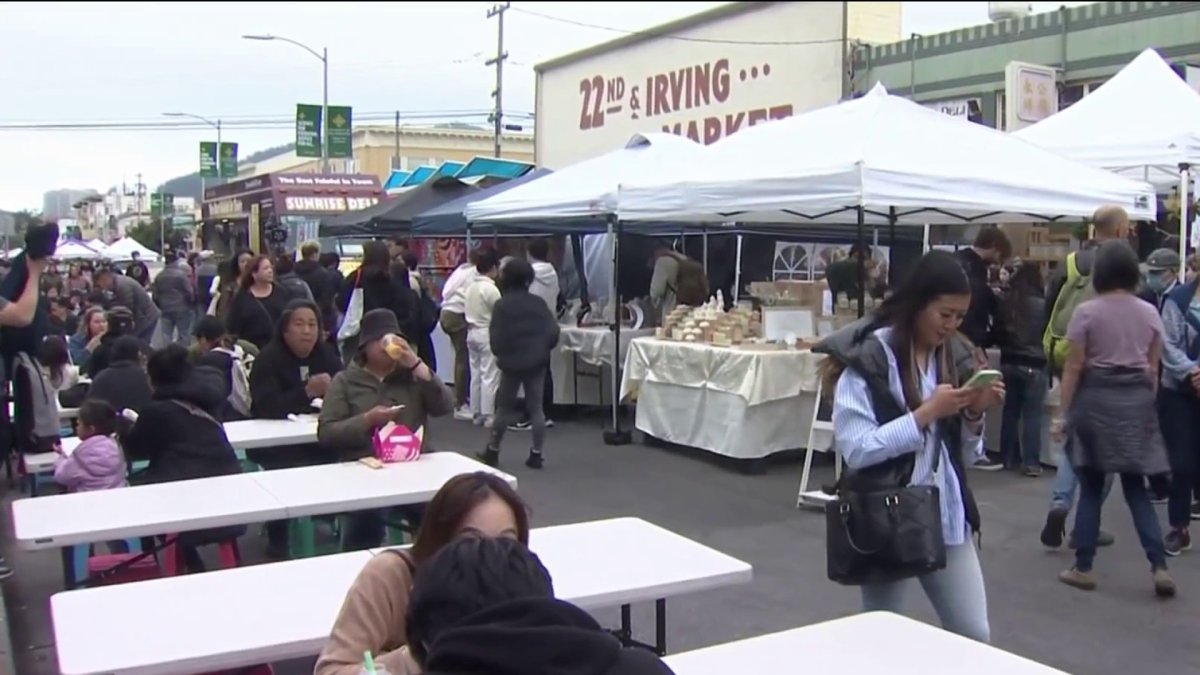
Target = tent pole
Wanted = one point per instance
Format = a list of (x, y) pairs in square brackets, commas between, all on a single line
[(1184, 176), (616, 436), (704, 234), (862, 263), (737, 270), (891, 244), (925, 239)]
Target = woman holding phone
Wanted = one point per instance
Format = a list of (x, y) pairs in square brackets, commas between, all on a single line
[(910, 350), (383, 383)]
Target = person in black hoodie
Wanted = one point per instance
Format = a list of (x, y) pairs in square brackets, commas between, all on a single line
[(178, 433), (1023, 361), (522, 334), (123, 383), (292, 370), (486, 606), (983, 324)]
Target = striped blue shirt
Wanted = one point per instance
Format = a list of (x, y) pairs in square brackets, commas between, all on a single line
[(861, 441)]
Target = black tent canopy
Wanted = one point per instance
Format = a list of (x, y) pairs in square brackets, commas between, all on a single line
[(395, 215)]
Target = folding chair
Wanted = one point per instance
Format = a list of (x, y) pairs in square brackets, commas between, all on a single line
[(820, 439)]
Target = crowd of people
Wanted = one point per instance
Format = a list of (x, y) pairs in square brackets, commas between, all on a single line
[(1119, 339)]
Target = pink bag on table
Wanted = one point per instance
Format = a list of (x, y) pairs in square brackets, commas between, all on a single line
[(397, 443)]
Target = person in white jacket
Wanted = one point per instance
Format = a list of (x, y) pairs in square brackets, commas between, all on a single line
[(481, 297), (454, 324)]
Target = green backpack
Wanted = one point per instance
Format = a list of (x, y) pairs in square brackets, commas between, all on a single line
[(1075, 291)]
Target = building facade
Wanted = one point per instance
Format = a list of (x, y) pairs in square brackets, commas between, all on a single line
[(967, 72), (379, 149), (704, 76), (57, 204)]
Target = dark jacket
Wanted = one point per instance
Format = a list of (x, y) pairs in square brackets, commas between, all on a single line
[(295, 286), (277, 390), (179, 442), (981, 324), (324, 289), (535, 636), (1021, 343), (857, 348), (128, 293), (173, 290), (123, 384), (254, 319), (354, 391), (523, 332), (385, 291)]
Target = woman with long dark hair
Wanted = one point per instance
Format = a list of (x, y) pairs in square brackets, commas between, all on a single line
[(1023, 361), (1109, 382), (910, 350), (258, 303), (380, 290), (373, 615)]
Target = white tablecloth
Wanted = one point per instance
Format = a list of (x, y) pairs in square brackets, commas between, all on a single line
[(580, 365), (736, 402)]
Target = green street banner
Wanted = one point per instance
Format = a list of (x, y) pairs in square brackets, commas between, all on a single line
[(308, 130), (229, 159), (161, 202), (208, 159), (338, 127)]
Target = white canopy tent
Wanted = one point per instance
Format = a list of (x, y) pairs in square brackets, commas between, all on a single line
[(74, 250), (96, 245), (879, 159), (1142, 123), (123, 249), (588, 189)]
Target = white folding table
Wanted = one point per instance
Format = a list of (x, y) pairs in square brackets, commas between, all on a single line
[(354, 486), (86, 517), (242, 434), (875, 642), (181, 506), (235, 618)]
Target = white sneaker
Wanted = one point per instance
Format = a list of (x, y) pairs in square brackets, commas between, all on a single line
[(464, 414), (488, 421)]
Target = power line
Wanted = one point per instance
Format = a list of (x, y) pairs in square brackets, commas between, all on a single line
[(669, 36), (259, 124)]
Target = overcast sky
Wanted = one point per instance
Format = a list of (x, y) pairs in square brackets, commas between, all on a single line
[(108, 62)]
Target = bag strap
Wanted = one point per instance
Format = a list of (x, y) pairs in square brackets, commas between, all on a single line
[(195, 410)]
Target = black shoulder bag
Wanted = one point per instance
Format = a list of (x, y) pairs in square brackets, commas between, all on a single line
[(879, 528)]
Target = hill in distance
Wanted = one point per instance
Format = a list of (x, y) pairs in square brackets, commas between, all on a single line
[(189, 185)]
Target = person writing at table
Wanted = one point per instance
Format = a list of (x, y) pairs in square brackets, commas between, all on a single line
[(377, 388), (910, 349), (292, 370), (373, 616)]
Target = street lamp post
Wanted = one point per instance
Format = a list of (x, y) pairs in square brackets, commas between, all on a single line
[(203, 182), (323, 57)]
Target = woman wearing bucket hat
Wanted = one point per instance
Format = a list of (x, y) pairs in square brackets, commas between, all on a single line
[(383, 383)]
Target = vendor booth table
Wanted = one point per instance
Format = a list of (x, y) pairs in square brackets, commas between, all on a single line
[(735, 401), (581, 364)]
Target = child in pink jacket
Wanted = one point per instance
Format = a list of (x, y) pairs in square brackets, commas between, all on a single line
[(97, 463)]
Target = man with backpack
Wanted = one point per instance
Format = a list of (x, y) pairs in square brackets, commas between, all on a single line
[(1070, 287), (677, 279)]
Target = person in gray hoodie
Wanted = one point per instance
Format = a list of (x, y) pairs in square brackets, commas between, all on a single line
[(128, 293), (176, 298)]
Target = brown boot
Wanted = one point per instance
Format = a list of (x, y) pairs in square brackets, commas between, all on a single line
[(1164, 585), (1081, 580)]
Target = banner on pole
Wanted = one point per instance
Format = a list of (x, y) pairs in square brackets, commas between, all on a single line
[(229, 159), (308, 130), (340, 130), (208, 159)]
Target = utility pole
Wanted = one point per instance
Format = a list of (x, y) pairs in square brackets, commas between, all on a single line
[(501, 56), (396, 159)]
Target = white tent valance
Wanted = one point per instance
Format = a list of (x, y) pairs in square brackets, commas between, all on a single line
[(123, 249), (587, 189), (888, 155), (74, 250), (1142, 123)]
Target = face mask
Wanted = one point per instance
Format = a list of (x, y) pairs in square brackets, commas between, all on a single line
[(1156, 281)]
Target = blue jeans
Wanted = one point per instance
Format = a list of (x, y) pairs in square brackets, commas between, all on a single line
[(1087, 519), (1175, 417), (956, 593), (1023, 423), (176, 322), (1062, 495)]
